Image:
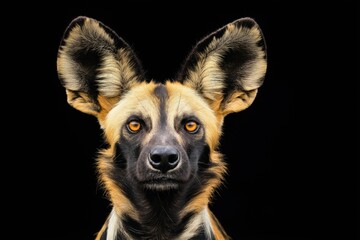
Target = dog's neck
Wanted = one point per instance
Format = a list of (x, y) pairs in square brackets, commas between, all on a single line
[(199, 229), (160, 216)]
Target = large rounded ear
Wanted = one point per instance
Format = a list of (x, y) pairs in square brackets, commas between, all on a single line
[(228, 66), (95, 66)]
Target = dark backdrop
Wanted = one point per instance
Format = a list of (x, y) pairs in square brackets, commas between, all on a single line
[(290, 155)]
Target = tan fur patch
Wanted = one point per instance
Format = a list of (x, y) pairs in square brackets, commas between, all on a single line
[(82, 102), (102, 230), (106, 105)]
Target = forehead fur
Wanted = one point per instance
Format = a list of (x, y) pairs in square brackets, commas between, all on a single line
[(139, 101), (184, 101), (180, 101)]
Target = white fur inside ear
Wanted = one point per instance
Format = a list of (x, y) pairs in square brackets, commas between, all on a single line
[(254, 71), (207, 76), (115, 75), (67, 70)]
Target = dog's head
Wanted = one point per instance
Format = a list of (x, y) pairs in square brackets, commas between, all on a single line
[(161, 137)]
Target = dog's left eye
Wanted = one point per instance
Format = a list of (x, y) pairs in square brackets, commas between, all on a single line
[(192, 127), (134, 126)]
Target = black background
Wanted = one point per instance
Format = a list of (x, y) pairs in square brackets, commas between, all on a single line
[(290, 155)]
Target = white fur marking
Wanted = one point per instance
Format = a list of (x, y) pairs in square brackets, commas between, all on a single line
[(113, 225), (192, 228), (206, 223)]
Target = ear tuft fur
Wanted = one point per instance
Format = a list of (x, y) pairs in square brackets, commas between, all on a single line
[(229, 60), (94, 59)]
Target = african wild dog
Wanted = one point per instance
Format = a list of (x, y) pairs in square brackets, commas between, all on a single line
[(161, 165)]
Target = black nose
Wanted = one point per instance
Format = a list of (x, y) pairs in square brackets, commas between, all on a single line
[(164, 158)]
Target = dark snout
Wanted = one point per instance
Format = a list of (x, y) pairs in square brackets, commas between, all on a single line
[(164, 158), (163, 167)]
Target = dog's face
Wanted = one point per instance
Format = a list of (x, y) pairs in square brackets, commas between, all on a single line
[(161, 136)]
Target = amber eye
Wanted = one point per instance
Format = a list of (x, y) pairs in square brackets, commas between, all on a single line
[(192, 126), (134, 126)]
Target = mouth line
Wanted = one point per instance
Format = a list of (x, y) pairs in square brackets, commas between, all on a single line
[(160, 180), (162, 183)]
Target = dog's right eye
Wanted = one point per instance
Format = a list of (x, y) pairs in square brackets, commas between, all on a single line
[(134, 126)]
